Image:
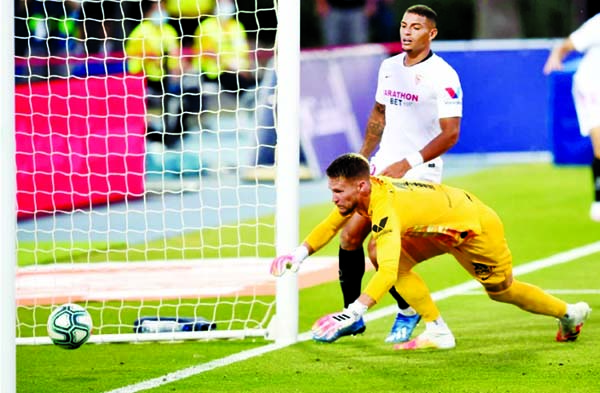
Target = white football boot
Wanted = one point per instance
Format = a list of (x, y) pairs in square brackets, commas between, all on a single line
[(570, 325)]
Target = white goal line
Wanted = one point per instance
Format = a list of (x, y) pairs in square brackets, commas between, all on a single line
[(557, 259)]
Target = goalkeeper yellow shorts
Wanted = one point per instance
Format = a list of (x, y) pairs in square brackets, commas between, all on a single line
[(485, 256)]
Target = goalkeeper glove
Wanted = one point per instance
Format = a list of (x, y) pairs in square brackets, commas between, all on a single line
[(333, 326), (289, 262)]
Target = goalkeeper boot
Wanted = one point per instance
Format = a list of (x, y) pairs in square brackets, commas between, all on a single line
[(357, 327), (403, 328), (431, 338), (570, 325)]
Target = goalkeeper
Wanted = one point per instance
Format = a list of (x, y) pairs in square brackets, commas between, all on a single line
[(415, 120), (412, 222)]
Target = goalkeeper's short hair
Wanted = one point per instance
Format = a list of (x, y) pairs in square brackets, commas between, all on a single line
[(349, 166)]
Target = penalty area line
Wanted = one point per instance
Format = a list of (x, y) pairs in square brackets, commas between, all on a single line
[(460, 289)]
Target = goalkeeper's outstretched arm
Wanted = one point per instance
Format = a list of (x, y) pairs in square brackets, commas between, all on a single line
[(317, 239)]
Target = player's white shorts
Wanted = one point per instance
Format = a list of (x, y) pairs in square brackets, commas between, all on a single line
[(586, 94), (428, 171)]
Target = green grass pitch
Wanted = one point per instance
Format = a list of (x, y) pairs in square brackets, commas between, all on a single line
[(499, 348)]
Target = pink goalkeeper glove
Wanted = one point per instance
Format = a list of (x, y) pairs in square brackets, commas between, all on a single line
[(289, 262)]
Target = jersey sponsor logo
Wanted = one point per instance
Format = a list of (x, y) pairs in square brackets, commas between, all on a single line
[(453, 93), (483, 271), (402, 95), (407, 185), (401, 184), (379, 227), (395, 101)]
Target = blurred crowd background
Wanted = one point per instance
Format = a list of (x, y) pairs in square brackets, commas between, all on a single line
[(102, 25), (194, 54), (469, 19)]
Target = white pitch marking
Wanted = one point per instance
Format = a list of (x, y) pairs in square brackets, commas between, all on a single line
[(460, 289), (551, 291)]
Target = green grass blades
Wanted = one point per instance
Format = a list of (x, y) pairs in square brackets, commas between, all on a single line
[(499, 347)]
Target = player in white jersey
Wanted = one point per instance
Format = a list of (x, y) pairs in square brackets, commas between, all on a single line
[(586, 90), (416, 118), (415, 98)]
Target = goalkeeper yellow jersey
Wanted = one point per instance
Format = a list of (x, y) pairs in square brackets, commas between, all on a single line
[(400, 208)]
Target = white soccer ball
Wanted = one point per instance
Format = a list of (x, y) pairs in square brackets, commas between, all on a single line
[(69, 326)]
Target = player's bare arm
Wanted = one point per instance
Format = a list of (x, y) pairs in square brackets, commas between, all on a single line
[(439, 145), (559, 52), (374, 132)]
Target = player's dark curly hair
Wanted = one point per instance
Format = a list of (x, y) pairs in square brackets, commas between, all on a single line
[(349, 166), (424, 11)]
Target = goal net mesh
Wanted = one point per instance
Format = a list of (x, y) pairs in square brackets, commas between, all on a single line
[(144, 150)]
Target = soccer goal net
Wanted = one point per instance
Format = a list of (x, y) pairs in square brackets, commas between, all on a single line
[(145, 149)]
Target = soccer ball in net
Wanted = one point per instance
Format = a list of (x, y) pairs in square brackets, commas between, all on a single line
[(69, 326)]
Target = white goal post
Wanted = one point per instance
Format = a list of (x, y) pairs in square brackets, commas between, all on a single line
[(134, 229), (7, 208)]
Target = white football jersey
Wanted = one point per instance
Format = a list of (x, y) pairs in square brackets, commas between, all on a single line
[(415, 98), (586, 81), (586, 39)]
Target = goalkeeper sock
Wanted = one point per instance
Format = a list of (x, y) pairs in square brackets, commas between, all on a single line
[(596, 178), (402, 305), (408, 311), (531, 298), (352, 270), (437, 324)]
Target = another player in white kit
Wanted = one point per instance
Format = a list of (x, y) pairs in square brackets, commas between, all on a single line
[(586, 90), (416, 119)]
